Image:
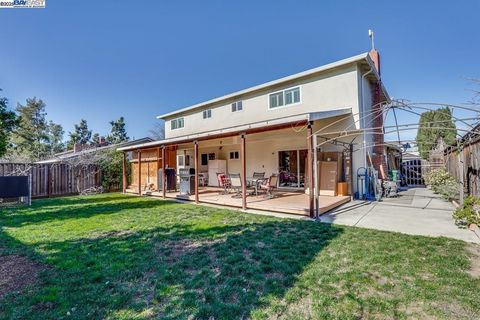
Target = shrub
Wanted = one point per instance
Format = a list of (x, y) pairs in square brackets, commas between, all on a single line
[(442, 183), (469, 212), (112, 170)]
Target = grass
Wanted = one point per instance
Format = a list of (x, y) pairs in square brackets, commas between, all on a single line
[(118, 257)]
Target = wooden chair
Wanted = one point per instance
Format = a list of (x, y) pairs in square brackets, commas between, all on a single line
[(270, 185), (236, 184)]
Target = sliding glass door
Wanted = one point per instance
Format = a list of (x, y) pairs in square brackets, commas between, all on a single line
[(291, 164)]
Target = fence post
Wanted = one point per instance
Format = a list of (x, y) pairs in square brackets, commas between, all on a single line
[(30, 189), (461, 169)]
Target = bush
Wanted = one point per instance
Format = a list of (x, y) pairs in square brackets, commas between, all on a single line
[(469, 212), (112, 171), (442, 183)]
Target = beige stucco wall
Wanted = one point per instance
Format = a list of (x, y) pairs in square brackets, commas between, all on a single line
[(330, 90), (262, 148)]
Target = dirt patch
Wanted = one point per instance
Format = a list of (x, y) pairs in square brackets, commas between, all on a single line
[(175, 250), (474, 251), (16, 273)]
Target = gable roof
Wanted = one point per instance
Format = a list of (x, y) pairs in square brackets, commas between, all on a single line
[(358, 58), (69, 154)]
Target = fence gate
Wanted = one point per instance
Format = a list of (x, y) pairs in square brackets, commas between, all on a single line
[(412, 172)]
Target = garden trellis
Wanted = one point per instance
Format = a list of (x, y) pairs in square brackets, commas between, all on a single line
[(465, 125)]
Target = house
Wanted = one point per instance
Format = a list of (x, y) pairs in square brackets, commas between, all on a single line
[(272, 128)]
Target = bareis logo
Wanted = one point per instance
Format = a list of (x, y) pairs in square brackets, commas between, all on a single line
[(22, 4)]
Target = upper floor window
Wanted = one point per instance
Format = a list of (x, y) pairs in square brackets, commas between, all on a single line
[(237, 106), (177, 123), (285, 97), (207, 114)]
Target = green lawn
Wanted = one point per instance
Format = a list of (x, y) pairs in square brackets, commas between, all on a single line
[(119, 257)]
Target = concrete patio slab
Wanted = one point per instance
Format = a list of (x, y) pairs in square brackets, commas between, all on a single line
[(416, 211)]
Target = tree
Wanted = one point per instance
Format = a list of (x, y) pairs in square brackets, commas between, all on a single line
[(31, 138), (157, 132), (80, 135), (8, 122), (433, 125), (55, 137), (118, 133), (96, 140)]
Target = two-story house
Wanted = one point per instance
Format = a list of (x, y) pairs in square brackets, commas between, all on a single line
[(274, 129)]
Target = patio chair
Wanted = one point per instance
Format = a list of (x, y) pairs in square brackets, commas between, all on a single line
[(258, 175), (223, 182), (236, 185), (203, 179), (270, 185), (257, 179)]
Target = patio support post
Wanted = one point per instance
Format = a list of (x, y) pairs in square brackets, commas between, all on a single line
[(159, 165), (164, 176), (139, 172), (461, 173), (310, 168), (124, 173), (315, 177), (244, 171), (196, 171), (351, 171)]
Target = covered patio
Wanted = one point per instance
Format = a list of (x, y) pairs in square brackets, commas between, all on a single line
[(282, 154)]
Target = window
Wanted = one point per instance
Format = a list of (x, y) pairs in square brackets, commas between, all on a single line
[(180, 161), (234, 155), (207, 114), (237, 106), (285, 97), (177, 123), (276, 100), (204, 159), (292, 96)]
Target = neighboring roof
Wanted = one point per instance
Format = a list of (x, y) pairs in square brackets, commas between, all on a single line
[(361, 57), (243, 128), (63, 156)]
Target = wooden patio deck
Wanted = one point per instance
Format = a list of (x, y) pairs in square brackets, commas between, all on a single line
[(292, 202)]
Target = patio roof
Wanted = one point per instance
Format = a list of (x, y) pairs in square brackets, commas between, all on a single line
[(254, 127)]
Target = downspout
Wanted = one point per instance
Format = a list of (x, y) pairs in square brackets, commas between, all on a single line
[(363, 118)]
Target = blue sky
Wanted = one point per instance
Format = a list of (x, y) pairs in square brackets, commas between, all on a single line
[(100, 60)]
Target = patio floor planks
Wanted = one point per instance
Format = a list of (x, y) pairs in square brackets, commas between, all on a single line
[(292, 202)]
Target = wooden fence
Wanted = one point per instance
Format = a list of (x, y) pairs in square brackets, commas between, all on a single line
[(56, 179), (471, 168)]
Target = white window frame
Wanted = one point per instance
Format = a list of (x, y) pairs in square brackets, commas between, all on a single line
[(176, 121), (207, 112), (181, 160), (284, 98), (236, 106), (230, 155)]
